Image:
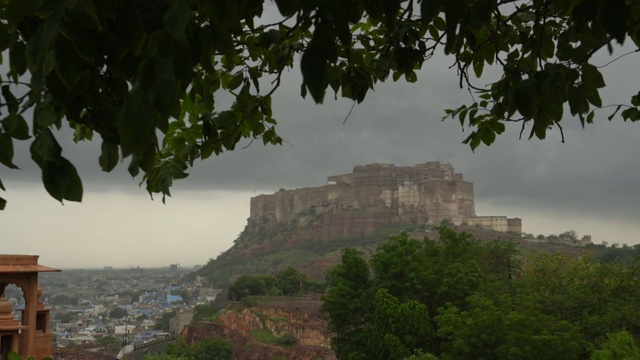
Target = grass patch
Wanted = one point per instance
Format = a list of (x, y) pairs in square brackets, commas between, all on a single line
[(267, 337)]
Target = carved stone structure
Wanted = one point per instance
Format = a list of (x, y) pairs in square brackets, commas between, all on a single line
[(372, 197), (29, 337)]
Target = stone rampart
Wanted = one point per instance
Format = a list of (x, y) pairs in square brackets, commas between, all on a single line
[(371, 197)]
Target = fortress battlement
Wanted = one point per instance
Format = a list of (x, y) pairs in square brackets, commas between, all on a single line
[(375, 195)]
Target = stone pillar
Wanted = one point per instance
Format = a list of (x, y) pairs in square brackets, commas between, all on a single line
[(29, 316)]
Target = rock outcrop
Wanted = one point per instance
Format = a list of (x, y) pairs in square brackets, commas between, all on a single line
[(298, 317)]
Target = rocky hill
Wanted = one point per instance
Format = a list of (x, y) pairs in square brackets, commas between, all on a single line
[(272, 328), (308, 227)]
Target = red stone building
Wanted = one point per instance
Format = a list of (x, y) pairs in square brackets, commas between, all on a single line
[(29, 337)]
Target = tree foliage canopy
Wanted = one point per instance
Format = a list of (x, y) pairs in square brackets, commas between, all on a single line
[(144, 75), (287, 282), (476, 300)]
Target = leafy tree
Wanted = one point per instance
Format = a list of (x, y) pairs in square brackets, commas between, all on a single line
[(252, 285), (177, 348), (505, 330), (204, 312), (211, 349), (144, 75), (619, 345), (404, 258), (470, 300), (164, 322), (291, 281), (117, 313), (569, 235), (349, 303), (397, 329), (207, 349)]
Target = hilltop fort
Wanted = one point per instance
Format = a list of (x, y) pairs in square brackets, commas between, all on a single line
[(371, 197)]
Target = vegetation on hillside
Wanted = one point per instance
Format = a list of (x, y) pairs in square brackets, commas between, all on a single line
[(232, 263), (287, 282), (460, 298), (207, 349)]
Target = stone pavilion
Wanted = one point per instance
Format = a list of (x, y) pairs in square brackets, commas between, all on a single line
[(29, 336)]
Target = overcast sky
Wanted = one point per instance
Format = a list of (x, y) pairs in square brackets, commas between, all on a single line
[(590, 184)]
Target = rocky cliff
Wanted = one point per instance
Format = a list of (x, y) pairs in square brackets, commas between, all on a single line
[(299, 318)]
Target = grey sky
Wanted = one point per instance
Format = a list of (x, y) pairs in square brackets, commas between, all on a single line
[(591, 183)]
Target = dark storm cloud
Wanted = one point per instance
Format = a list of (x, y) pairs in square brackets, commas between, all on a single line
[(596, 170)]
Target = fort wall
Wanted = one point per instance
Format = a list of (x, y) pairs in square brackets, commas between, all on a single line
[(373, 196)]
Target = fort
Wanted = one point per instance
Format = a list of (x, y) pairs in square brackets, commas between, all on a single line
[(374, 196)]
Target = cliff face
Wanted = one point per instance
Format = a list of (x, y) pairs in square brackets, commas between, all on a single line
[(299, 318), (360, 203)]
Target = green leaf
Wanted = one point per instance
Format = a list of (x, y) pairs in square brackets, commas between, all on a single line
[(314, 62), (632, 114), (235, 81), (429, 9), (577, 102), (18, 10), (10, 101), (83, 42), (525, 98), (478, 64), (40, 43), (17, 59), (61, 180), (591, 94), (177, 18), (68, 65), (44, 115), (454, 11), (158, 80), (12, 354), (288, 7), (16, 126), (226, 12), (591, 77), (613, 16), (136, 124), (635, 99), (6, 151), (3, 205), (90, 7), (45, 147), (109, 157), (5, 38)]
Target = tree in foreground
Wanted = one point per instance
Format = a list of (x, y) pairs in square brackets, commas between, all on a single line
[(469, 299), (144, 75), (207, 349)]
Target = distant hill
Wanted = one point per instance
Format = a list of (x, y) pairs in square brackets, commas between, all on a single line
[(249, 257)]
